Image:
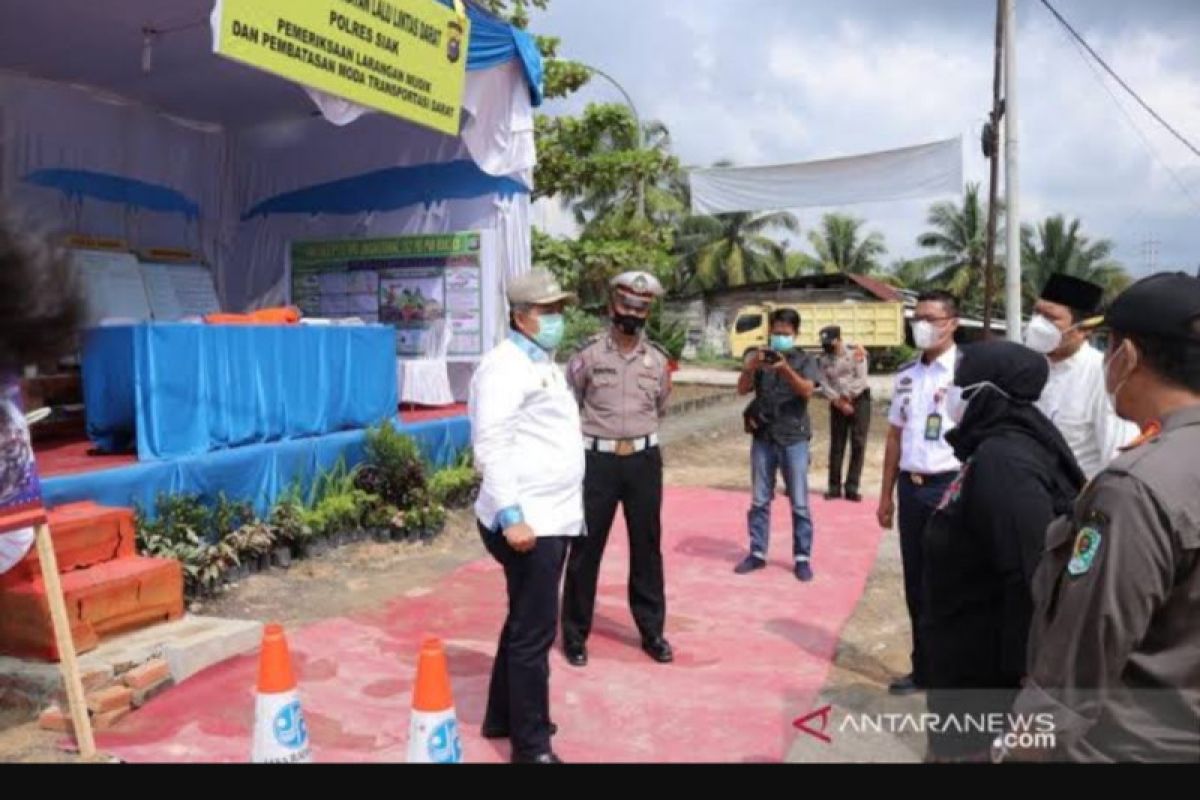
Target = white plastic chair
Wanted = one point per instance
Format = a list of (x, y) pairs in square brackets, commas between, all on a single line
[(426, 381)]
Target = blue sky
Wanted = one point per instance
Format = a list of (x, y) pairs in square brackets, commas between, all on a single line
[(775, 81)]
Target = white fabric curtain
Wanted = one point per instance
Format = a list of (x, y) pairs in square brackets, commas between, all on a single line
[(498, 126), (911, 172)]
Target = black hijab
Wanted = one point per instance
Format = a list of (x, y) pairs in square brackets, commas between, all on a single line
[(1022, 374)]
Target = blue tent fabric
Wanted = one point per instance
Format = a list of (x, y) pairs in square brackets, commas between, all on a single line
[(199, 388), (258, 473), (494, 42), (390, 189), (115, 189)]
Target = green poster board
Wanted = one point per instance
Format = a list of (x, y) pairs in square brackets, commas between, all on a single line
[(413, 283)]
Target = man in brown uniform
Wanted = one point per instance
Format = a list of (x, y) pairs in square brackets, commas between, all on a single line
[(1114, 652), (845, 370), (622, 382)]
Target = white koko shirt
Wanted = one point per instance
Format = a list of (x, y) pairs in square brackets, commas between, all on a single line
[(1076, 402), (527, 440)]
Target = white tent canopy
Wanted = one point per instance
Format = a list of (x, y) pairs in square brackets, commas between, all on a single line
[(82, 96), (908, 173)]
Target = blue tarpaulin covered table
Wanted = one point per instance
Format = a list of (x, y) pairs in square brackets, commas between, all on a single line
[(183, 390)]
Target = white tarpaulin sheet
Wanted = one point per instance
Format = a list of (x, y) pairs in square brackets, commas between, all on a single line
[(904, 174)]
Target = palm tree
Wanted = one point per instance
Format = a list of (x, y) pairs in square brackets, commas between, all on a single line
[(839, 247), (736, 248), (911, 273), (1057, 246), (784, 263), (959, 242)]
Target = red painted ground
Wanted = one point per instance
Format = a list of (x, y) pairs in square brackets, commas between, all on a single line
[(752, 653), (72, 456)]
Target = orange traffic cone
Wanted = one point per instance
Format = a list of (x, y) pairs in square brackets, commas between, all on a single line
[(280, 735), (433, 733)]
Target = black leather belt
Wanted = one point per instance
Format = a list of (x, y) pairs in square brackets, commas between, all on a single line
[(919, 479)]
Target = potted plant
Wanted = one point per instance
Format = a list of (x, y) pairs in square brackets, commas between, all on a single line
[(433, 521), (291, 528), (377, 520)]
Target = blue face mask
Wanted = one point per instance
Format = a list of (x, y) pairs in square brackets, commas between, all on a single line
[(551, 328), (782, 343)]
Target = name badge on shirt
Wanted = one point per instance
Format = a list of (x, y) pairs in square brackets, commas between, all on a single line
[(933, 427)]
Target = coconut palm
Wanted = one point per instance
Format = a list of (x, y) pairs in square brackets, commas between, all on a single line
[(840, 247), (958, 240), (1057, 246)]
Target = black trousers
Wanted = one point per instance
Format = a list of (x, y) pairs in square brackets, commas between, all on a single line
[(855, 428), (634, 481), (916, 504), (519, 693)]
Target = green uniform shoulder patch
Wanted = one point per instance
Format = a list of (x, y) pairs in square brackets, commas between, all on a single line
[(1087, 545)]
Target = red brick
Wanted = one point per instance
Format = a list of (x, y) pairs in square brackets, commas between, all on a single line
[(143, 696), (54, 719), (84, 534), (96, 679), (103, 600), (148, 674), (109, 699), (103, 722)]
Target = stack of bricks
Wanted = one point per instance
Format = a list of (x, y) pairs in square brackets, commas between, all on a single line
[(112, 695), (108, 589)]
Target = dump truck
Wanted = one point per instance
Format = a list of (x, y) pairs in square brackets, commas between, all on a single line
[(875, 326)]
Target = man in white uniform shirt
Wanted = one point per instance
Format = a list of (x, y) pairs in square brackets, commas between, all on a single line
[(919, 465), (1074, 398), (529, 449)]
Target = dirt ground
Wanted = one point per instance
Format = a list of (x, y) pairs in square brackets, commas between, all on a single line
[(703, 448)]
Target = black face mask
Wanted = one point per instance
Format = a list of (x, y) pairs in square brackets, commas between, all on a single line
[(829, 348), (628, 324)]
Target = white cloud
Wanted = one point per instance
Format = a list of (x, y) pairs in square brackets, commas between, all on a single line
[(771, 82)]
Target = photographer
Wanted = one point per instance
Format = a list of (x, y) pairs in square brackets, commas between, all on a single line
[(783, 379)]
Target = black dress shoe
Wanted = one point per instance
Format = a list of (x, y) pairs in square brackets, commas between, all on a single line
[(854, 497), (833, 494), (540, 758), (906, 685), (502, 732), (576, 656), (659, 649)]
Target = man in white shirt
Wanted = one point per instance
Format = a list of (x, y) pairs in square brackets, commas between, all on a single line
[(918, 459), (1074, 398), (528, 447)]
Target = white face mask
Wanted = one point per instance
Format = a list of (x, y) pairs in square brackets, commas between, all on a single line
[(959, 398), (1042, 335), (1113, 385), (925, 335)]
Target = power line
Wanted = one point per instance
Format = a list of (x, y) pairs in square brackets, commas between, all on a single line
[(1118, 79), (1183, 187)]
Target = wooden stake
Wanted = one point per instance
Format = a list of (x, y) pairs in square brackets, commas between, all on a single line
[(66, 645)]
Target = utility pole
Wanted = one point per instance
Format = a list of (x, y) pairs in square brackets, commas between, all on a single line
[(1150, 255), (991, 149), (1012, 185)]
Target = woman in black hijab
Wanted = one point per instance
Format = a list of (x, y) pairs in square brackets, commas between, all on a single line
[(986, 538)]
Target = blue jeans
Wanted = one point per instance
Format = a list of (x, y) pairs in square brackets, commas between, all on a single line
[(766, 460)]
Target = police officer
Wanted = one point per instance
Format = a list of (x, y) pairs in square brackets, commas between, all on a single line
[(918, 459), (1115, 645), (622, 382), (844, 370)]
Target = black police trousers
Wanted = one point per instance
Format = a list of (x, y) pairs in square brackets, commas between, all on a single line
[(855, 428), (635, 482)]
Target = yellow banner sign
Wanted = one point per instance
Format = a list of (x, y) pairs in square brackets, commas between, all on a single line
[(402, 57)]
